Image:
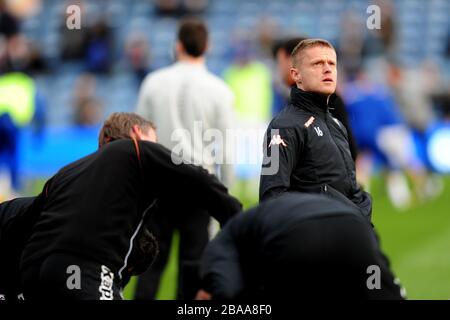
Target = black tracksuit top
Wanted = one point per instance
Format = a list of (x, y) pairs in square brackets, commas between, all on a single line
[(15, 227), (314, 154), (251, 250), (94, 206)]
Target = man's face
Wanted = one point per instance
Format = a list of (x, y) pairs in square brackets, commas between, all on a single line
[(316, 70), (284, 67)]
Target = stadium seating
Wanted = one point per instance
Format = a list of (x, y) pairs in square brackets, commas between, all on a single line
[(417, 21)]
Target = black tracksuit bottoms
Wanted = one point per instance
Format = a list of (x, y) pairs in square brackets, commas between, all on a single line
[(64, 276), (193, 229)]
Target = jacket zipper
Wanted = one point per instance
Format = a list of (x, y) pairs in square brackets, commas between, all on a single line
[(340, 151)]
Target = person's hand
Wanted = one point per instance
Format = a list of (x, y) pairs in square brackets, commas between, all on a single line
[(144, 252), (203, 295)]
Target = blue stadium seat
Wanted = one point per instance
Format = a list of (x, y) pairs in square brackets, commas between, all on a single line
[(221, 6)]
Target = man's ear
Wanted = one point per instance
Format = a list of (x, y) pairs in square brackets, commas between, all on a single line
[(179, 50), (135, 132), (296, 76)]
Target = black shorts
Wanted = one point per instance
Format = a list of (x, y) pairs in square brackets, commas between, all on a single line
[(10, 290), (63, 276)]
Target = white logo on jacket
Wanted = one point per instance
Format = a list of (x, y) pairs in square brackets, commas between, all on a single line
[(309, 122), (106, 284), (276, 140), (318, 131)]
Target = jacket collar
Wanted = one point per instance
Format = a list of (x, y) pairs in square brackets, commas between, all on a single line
[(310, 101)]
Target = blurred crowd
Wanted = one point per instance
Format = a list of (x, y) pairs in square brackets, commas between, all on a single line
[(395, 104)]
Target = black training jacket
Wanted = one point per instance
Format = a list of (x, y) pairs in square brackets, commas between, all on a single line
[(249, 252), (307, 150), (95, 206), (15, 226)]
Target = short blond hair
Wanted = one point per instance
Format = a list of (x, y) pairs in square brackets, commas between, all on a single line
[(119, 126), (306, 44)]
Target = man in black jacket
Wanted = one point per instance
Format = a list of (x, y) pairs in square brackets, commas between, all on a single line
[(307, 148), (18, 216), (297, 246), (92, 210), (13, 214), (282, 52)]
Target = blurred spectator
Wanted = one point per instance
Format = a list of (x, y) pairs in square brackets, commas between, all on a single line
[(383, 41), (88, 112), (179, 8), (168, 7), (413, 89), (9, 24), (37, 62), (412, 95), (84, 87), (98, 55), (350, 45), (195, 6), (22, 55), (187, 102), (437, 137), (281, 52), (9, 133), (17, 53), (73, 43), (137, 52), (87, 108), (20, 106), (251, 83), (442, 102), (92, 43), (267, 30), (384, 139), (22, 9)]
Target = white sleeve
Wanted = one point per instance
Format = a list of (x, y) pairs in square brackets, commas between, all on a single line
[(225, 121), (144, 107)]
